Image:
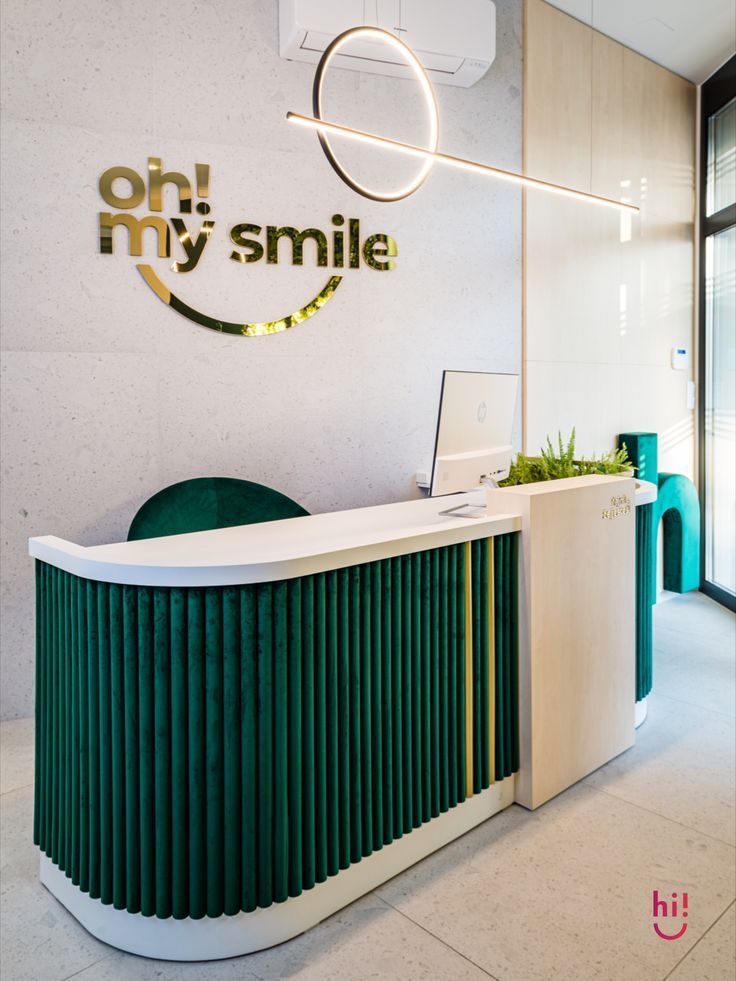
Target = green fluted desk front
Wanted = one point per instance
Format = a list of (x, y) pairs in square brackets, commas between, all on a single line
[(240, 731)]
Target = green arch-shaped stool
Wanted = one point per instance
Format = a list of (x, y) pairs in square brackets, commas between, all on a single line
[(677, 503), (678, 506), (204, 503)]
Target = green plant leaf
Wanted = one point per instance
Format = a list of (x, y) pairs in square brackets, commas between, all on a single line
[(554, 464)]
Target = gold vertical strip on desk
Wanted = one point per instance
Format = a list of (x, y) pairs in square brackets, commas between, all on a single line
[(468, 670), (491, 620)]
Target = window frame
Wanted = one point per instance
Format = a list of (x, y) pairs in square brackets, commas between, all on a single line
[(719, 89)]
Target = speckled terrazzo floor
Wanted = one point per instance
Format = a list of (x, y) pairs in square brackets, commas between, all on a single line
[(563, 892)]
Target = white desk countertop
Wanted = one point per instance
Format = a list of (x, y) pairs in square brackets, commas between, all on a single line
[(283, 549), (275, 550)]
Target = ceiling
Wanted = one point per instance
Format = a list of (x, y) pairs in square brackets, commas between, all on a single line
[(690, 37)]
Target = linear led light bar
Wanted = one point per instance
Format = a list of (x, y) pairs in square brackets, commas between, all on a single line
[(409, 149)]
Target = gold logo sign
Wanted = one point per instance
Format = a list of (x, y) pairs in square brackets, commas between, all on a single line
[(619, 506), (341, 248)]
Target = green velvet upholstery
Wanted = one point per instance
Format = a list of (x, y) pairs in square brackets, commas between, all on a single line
[(207, 750), (642, 450), (679, 508), (646, 596), (204, 503)]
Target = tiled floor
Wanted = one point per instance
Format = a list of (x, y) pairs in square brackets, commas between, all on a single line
[(563, 892)]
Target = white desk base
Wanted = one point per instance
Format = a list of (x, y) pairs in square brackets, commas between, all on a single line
[(640, 713), (244, 933)]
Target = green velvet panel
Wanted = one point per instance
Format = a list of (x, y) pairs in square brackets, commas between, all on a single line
[(202, 751), (645, 597), (642, 450), (679, 508), (210, 502)]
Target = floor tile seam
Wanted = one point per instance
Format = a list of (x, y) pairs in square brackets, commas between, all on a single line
[(702, 937), (703, 708), (648, 810), (86, 967), (435, 936), (14, 790)]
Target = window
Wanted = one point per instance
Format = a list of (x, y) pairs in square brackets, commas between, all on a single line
[(717, 344), (721, 169)]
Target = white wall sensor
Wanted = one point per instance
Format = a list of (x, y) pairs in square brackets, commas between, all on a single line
[(680, 358)]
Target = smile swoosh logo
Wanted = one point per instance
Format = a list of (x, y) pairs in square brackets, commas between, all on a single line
[(670, 936), (226, 327)]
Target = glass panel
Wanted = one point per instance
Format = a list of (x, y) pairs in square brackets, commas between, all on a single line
[(721, 177), (720, 408)]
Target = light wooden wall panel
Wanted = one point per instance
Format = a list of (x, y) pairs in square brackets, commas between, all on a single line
[(606, 296), (557, 62)]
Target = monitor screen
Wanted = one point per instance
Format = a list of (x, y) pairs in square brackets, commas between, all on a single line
[(476, 416)]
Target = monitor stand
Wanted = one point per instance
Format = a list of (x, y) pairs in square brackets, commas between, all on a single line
[(471, 510)]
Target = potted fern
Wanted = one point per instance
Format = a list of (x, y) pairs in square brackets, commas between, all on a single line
[(555, 463)]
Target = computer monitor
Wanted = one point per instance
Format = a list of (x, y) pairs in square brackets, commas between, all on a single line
[(474, 424)]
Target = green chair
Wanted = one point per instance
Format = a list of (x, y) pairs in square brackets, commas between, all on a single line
[(678, 506), (204, 503)]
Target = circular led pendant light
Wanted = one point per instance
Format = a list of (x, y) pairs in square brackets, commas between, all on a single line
[(433, 112), (428, 155)]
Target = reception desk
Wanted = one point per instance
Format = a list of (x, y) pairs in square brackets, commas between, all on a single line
[(240, 731)]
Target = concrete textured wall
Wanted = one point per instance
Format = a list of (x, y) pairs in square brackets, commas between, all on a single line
[(108, 394)]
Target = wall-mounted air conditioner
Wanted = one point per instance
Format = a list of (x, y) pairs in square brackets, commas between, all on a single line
[(455, 40)]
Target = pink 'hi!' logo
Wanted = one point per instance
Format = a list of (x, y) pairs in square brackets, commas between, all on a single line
[(661, 907)]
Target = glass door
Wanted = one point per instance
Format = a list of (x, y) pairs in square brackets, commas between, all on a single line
[(717, 354)]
